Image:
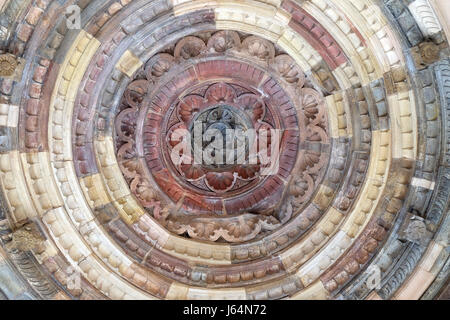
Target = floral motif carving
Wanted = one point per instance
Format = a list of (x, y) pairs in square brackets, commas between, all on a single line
[(258, 47), (8, 65), (158, 65), (289, 70), (233, 229), (229, 111), (125, 128), (222, 41), (220, 201), (189, 47)]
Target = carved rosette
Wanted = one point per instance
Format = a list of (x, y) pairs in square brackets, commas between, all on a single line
[(220, 109), (194, 87), (8, 64)]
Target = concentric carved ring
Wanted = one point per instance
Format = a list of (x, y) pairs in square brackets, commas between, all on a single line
[(245, 130), (252, 149)]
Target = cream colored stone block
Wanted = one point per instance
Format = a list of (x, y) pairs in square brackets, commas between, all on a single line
[(177, 3), (332, 116), (71, 244), (182, 7), (69, 241), (110, 284), (253, 17), (403, 125), (198, 251), (323, 197), (423, 183), (345, 82), (332, 219), (371, 11), (299, 49), (429, 259), (73, 199), (391, 47), (385, 59), (3, 4), (216, 294), (66, 88), (304, 249), (263, 9), (375, 182), (275, 3), (315, 291), (337, 25), (129, 63), (149, 229), (415, 286), (9, 115), (373, 65), (177, 292), (15, 188), (106, 250), (49, 251), (117, 188), (442, 11), (339, 116), (95, 191), (111, 173), (355, 15), (80, 54), (40, 182), (357, 63), (315, 266), (298, 254), (129, 209)]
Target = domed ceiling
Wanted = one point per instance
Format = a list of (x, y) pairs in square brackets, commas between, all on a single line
[(335, 118)]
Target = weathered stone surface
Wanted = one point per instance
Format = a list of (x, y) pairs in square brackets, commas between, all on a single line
[(93, 206)]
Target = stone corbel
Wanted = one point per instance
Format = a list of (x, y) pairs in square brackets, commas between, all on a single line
[(426, 53), (416, 229), (26, 238), (11, 67)]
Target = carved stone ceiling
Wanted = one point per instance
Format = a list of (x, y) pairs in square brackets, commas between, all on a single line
[(339, 188)]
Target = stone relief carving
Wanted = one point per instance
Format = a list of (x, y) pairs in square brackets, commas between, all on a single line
[(217, 105), (415, 230), (8, 65), (26, 238), (298, 240)]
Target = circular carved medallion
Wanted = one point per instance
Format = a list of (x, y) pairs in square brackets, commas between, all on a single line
[(214, 141)]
